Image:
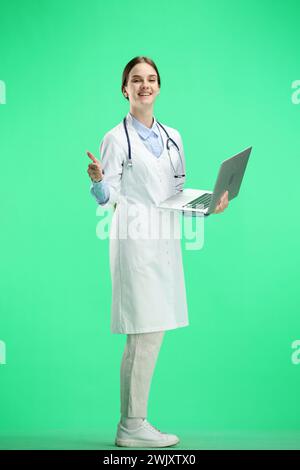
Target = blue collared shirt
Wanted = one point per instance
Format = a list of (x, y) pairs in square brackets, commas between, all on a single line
[(152, 140)]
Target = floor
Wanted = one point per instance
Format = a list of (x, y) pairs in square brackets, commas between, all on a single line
[(104, 440)]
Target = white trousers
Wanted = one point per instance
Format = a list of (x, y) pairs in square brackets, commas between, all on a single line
[(138, 362)]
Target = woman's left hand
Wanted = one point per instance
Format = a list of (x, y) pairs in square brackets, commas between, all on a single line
[(222, 204)]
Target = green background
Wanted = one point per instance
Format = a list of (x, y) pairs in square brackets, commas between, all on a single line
[(226, 380)]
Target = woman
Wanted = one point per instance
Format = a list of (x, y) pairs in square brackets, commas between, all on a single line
[(148, 292)]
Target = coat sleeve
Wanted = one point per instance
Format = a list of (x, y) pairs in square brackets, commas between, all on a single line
[(180, 167), (112, 157)]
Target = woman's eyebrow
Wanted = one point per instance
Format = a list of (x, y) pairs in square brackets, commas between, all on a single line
[(152, 75)]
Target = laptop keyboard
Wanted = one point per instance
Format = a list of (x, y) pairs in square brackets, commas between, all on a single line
[(204, 199)]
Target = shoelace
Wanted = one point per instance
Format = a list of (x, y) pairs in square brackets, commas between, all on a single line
[(151, 426)]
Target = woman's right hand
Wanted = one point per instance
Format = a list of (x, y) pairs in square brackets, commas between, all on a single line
[(94, 169)]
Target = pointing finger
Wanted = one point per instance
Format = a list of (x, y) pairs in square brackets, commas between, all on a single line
[(91, 156)]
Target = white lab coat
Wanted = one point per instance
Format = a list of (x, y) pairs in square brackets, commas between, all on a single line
[(148, 288)]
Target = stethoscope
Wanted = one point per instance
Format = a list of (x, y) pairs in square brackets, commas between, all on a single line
[(169, 139)]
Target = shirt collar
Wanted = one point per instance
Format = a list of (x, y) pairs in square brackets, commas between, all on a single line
[(143, 130)]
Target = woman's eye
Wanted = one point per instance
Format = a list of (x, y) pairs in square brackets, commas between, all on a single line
[(152, 80)]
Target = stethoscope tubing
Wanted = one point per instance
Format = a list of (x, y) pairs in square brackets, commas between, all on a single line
[(169, 139)]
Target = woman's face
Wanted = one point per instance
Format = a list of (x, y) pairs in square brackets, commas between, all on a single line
[(142, 87)]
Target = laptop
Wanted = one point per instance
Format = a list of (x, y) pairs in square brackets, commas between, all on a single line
[(203, 202)]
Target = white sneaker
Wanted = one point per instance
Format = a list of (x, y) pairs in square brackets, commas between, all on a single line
[(145, 435)]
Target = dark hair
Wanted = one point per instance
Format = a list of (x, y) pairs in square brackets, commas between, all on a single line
[(137, 60)]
